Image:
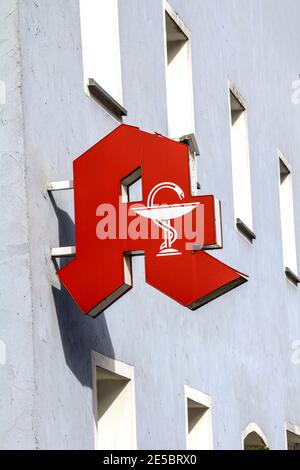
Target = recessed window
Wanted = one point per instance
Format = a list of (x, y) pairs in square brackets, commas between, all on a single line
[(287, 220), (253, 438), (131, 187), (178, 76), (241, 166), (135, 191), (101, 51), (198, 420), (114, 406), (254, 442), (293, 437)]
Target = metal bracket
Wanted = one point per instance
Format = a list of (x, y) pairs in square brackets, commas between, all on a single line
[(60, 185), (63, 252)]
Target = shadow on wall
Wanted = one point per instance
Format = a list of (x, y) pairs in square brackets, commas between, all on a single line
[(79, 333)]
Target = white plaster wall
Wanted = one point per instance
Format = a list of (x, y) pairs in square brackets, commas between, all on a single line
[(236, 349)]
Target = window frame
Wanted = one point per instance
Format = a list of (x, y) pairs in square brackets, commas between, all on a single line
[(96, 90), (291, 275), (168, 10), (292, 428), (116, 367), (206, 402), (253, 428), (242, 227)]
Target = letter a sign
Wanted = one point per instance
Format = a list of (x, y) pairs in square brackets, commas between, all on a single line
[(169, 226)]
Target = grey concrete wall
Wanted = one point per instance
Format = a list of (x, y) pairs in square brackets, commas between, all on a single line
[(17, 387), (236, 349)]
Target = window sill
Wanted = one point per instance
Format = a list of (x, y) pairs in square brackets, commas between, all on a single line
[(106, 100), (245, 230), (291, 276)]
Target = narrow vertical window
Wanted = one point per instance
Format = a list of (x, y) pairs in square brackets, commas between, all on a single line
[(287, 220), (178, 76), (198, 420), (241, 167), (114, 406), (101, 51)]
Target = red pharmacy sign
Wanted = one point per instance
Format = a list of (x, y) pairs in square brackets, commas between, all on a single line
[(171, 228)]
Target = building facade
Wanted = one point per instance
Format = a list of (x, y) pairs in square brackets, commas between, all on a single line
[(148, 373)]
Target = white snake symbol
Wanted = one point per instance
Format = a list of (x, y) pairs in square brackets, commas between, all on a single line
[(165, 224)]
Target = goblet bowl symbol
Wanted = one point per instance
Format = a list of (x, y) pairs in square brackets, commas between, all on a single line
[(162, 215)]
